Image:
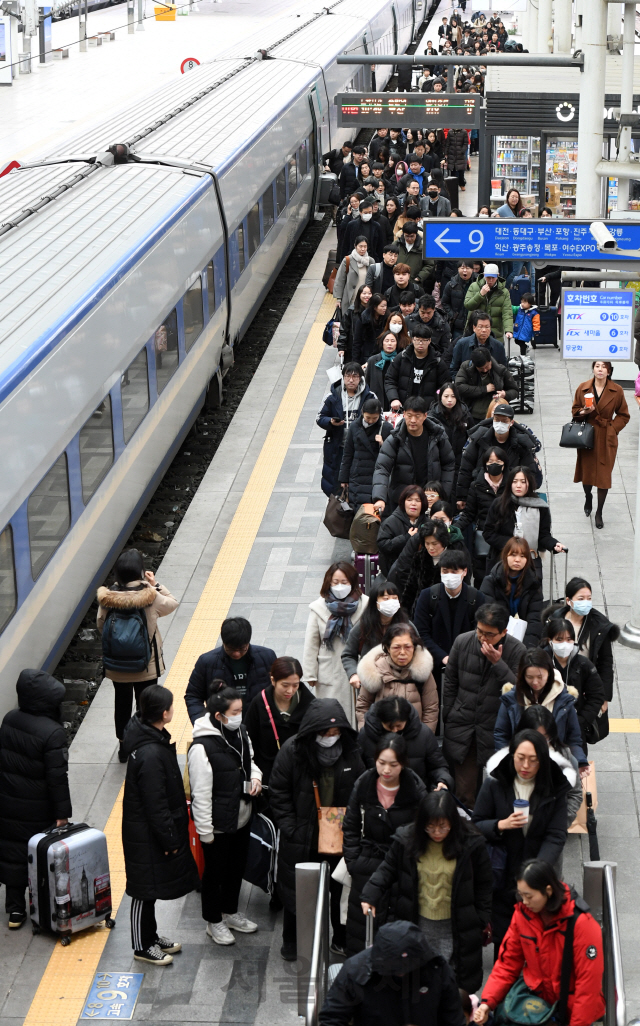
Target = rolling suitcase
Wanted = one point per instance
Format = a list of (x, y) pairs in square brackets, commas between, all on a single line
[(367, 568), (330, 267), (69, 881), (560, 597), (328, 182), (519, 286), (548, 334)]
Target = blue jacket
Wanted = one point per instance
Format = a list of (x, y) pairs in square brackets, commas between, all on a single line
[(464, 346), (526, 324), (334, 438), (564, 713)]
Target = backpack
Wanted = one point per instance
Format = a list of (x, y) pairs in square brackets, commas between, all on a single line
[(125, 641), (260, 867)]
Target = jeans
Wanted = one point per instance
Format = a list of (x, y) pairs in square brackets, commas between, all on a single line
[(224, 862)]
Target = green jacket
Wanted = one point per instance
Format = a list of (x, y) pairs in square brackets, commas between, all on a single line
[(420, 268), (496, 303)]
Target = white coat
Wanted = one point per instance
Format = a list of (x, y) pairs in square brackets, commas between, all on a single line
[(322, 667)]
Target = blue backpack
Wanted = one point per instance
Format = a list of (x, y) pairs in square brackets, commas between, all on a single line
[(125, 641)]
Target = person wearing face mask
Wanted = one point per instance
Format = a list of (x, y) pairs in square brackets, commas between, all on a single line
[(519, 445), (418, 566), (382, 610), (481, 380), (529, 771), (579, 674), (324, 752), (439, 206), (593, 631), (514, 584), (368, 228), (437, 874), (378, 365), (361, 448), (484, 211), (383, 800), (399, 666), (520, 513), (352, 271), (453, 298), (223, 778), (490, 294), (397, 326), (331, 617), (276, 713), (395, 531)]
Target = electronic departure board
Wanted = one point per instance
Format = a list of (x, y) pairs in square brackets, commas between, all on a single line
[(409, 110)]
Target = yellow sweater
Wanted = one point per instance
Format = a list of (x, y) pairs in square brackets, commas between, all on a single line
[(435, 880)]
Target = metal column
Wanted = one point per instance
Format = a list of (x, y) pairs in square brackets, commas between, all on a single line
[(131, 16), (545, 26), (532, 27), (626, 99), (563, 23), (614, 20), (594, 46), (140, 25)]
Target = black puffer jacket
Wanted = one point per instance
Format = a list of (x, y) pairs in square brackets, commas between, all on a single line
[(474, 390), (376, 379), (471, 695), (34, 787), (453, 303), (581, 674), (599, 633), (456, 433), (395, 468), (471, 895), (361, 451), (414, 570), (260, 730), (519, 446), (366, 331), (217, 664), (441, 344), (155, 818), (423, 752), (499, 528), (368, 829), (456, 147), (480, 498), (292, 799), (393, 536), (400, 376), (493, 588)]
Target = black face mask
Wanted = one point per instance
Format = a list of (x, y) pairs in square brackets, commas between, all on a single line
[(494, 469), (433, 195)]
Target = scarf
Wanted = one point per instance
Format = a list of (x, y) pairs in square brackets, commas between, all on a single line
[(495, 483), (339, 623), (385, 358), (361, 261), (329, 756)]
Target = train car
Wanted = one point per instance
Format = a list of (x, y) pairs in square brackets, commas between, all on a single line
[(132, 264)]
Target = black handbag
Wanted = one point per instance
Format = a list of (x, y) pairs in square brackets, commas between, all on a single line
[(338, 516), (577, 435)]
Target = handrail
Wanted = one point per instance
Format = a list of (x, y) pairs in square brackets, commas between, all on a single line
[(320, 952), (614, 982)]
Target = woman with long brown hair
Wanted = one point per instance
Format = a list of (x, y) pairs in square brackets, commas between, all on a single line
[(514, 583), (396, 324), (520, 511)]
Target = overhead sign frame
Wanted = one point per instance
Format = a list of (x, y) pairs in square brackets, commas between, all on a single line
[(597, 324), (411, 110)]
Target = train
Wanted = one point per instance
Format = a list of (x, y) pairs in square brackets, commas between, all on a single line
[(132, 261)]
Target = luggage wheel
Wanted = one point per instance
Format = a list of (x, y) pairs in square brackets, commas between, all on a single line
[(65, 941), (109, 923)]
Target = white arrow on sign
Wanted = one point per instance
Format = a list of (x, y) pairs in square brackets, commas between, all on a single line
[(443, 235)]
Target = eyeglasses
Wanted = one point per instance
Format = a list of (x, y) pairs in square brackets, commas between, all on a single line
[(487, 634)]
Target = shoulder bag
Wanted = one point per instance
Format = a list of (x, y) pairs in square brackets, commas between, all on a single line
[(330, 820), (577, 435), (338, 516), (270, 715)]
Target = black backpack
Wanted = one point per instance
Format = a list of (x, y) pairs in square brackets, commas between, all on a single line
[(125, 641)]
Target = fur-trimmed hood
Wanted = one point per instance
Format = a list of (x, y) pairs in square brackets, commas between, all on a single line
[(139, 596), (563, 764), (376, 668), (557, 686)]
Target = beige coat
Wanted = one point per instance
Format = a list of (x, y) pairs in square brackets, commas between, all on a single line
[(322, 667), (381, 678), (156, 602)]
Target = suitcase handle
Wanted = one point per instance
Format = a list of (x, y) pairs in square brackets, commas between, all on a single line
[(369, 930), (551, 564), (70, 828)]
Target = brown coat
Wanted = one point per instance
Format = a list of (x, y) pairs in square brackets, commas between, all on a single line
[(611, 415), (156, 602), (380, 678)]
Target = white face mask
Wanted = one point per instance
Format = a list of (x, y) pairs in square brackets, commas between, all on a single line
[(327, 742), (389, 607), (451, 581), (501, 428), (341, 590), (483, 215), (233, 722), (395, 328), (562, 648), (366, 217)]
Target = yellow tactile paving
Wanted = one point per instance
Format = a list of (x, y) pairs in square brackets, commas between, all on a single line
[(66, 980), (630, 726)]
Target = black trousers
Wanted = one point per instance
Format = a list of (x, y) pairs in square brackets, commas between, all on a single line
[(289, 919), (144, 930), (124, 702), (224, 862), (15, 900)]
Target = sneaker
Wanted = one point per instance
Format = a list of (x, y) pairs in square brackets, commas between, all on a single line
[(220, 933), (239, 922), (289, 951), (169, 946), (338, 949), (154, 955), (16, 920)]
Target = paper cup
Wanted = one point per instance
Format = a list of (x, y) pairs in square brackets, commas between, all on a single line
[(521, 805)]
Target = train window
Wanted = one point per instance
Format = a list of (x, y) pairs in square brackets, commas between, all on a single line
[(267, 209), (8, 590), (165, 343), (281, 192), (134, 392), (48, 515), (96, 449), (253, 227), (211, 288), (293, 175), (192, 313), (240, 235), (302, 160)]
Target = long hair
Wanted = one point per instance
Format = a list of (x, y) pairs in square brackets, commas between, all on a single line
[(505, 502), (358, 305), (372, 629), (543, 777), (535, 716), (540, 658), (456, 415), (439, 805), (515, 546), (403, 337), (397, 744), (349, 572), (539, 875)]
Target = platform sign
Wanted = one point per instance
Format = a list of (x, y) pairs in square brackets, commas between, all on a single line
[(552, 240), (113, 996), (188, 64), (597, 324), (412, 110)]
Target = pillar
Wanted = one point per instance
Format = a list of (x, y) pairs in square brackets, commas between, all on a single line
[(594, 48)]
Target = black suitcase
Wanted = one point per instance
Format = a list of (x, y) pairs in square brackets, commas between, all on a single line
[(330, 266), (548, 334)]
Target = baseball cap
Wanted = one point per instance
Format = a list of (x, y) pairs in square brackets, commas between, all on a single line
[(504, 410), (491, 269)]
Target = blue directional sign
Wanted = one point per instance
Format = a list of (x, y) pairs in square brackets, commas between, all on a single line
[(549, 239), (112, 996), (597, 324)]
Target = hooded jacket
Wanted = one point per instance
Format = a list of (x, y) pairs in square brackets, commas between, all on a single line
[(599, 634), (367, 991), (332, 408), (154, 817), (527, 324), (399, 384), (471, 894), (260, 730), (156, 601), (423, 752), (292, 799), (534, 947), (393, 535), (34, 785), (474, 390), (560, 701), (493, 589), (359, 457), (453, 303), (581, 677), (520, 446), (217, 774), (497, 303), (381, 678), (395, 467), (216, 664)]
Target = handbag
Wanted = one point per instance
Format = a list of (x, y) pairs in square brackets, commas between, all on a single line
[(338, 517), (332, 276), (577, 435), (330, 820), (599, 729), (332, 329), (364, 530), (481, 548)]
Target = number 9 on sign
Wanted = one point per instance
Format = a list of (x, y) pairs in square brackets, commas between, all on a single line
[(476, 238)]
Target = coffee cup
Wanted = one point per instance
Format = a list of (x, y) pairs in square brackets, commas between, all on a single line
[(521, 805), (589, 400)]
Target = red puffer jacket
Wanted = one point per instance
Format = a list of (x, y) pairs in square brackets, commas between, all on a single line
[(535, 950)]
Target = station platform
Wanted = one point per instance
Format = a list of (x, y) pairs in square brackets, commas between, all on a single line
[(253, 543)]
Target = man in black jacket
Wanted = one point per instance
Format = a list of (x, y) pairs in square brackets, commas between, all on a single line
[(367, 227), (350, 174), (502, 430), (401, 283), (453, 298), (380, 275), (335, 159), (482, 379), (416, 371), (244, 666), (398, 980), (440, 334), (416, 452), (481, 336)]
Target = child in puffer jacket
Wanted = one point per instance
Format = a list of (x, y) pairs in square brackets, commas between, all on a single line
[(527, 322)]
